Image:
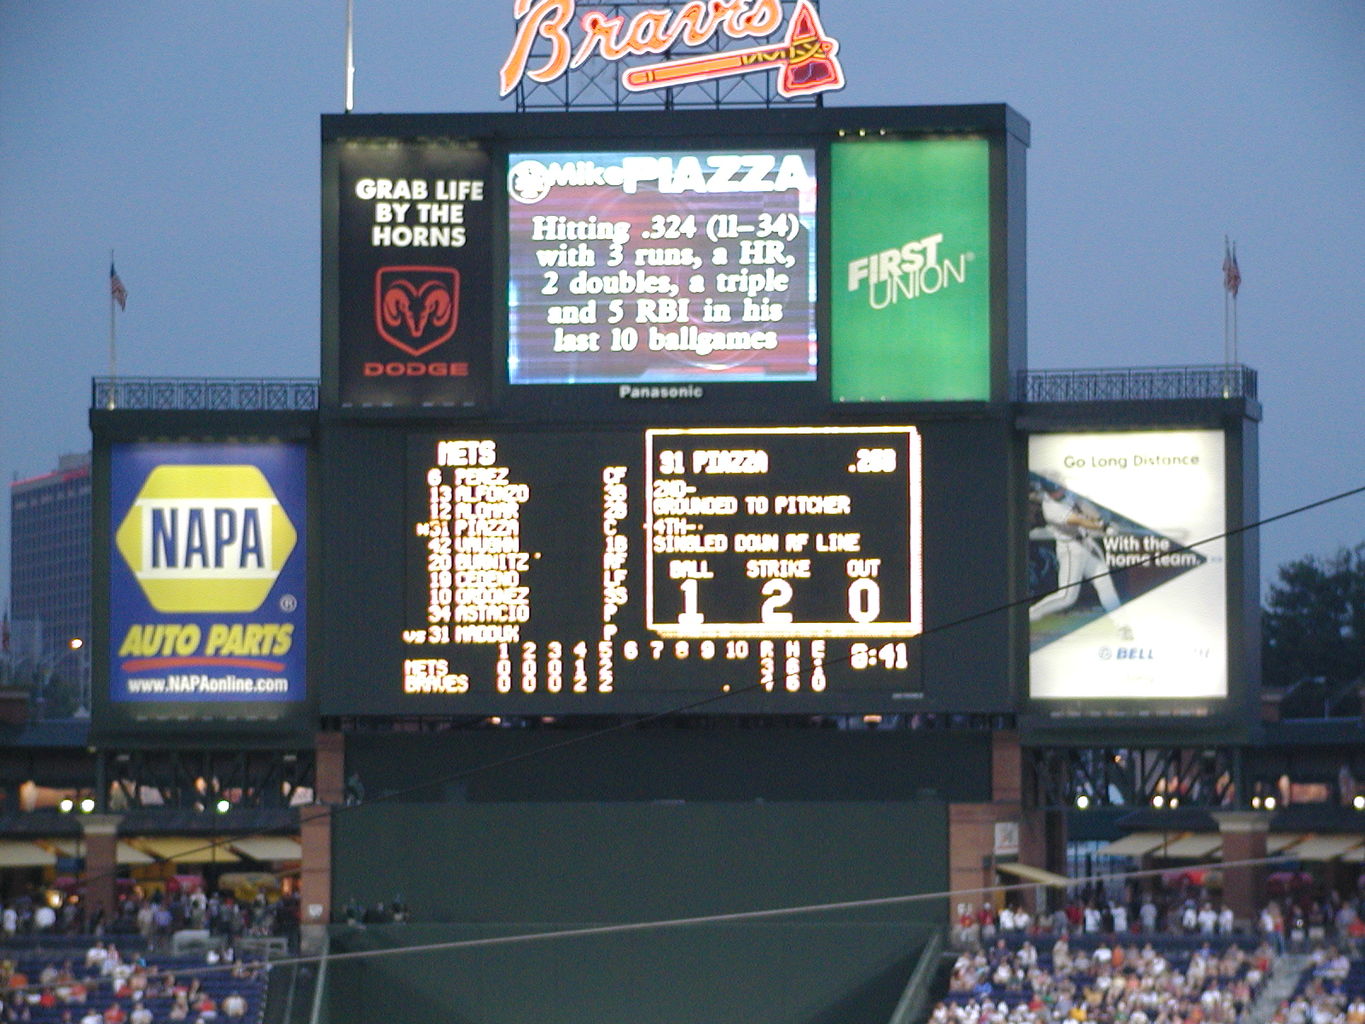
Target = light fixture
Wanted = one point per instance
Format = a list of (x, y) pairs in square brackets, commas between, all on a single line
[(1158, 801), (87, 804), (1358, 802), (1269, 803), (223, 806), (67, 805), (1082, 802)]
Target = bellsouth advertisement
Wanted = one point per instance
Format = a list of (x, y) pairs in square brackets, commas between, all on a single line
[(1127, 566), (206, 580)]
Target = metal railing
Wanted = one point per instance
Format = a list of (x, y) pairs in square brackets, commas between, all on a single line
[(1142, 383), (297, 394)]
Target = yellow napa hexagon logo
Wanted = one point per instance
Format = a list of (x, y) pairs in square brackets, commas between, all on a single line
[(206, 538)]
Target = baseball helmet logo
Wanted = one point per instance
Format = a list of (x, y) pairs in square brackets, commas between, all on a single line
[(416, 308)]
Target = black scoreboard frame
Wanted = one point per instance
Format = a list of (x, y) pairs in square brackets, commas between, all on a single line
[(369, 470)]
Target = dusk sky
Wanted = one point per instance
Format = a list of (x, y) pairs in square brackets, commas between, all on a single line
[(185, 138)]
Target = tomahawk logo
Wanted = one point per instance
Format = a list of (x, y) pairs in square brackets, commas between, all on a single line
[(206, 538), (416, 308)]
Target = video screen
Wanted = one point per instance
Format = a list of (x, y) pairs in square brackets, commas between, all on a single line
[(668, 267)]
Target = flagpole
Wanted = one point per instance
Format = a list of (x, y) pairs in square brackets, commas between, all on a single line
[(113, 359), (1234, 303), (1232, 283), (350, 55)]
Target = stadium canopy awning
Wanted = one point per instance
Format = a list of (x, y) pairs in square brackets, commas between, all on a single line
[(1134, 845), (18, 854), (1305, 846), (187, 849), (130, 854), (268, 848), (1199, 846), (1031, 874), (1324, 847)]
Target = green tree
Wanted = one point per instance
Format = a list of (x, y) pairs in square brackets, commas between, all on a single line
[(1313, 628)]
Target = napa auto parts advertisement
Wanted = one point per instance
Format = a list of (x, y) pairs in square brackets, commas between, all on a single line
[(206, 574)]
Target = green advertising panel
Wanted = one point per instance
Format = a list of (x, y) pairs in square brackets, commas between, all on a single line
[(910, 271)]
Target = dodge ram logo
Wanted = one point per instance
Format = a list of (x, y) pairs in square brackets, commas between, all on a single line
[(416, 308)]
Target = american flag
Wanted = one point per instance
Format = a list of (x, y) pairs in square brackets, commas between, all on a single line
[(116, 288), (1232, 277)]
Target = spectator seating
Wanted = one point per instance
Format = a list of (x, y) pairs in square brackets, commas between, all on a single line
[(216, 981)]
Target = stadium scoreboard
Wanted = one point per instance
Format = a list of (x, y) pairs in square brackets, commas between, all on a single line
[(637, 569), (627, 413), (666, 411), (780, 554)]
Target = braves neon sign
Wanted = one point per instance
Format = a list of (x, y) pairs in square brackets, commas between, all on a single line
[(805, 59)]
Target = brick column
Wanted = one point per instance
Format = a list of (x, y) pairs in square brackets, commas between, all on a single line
[(971, 846), (100, 832), (1244, 838), (971, 831), (1007, 767), (1012, 786), (315, 836)]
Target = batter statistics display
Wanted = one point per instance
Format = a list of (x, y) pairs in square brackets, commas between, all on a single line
[(671, 267), (547, 571)]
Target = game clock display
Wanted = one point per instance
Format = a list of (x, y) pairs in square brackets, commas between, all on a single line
[(553, 571)]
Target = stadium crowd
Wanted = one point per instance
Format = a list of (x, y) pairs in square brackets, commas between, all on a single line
[(1108, 982), (1176, 956), (154, 918), (105, 985), (1296, 921)]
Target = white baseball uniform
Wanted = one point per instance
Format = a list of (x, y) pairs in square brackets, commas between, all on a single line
[(1080, 556)]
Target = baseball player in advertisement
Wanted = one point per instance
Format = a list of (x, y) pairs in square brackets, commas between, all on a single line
[(1076, 528)]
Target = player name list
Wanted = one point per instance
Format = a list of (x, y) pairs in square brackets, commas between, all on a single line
[(584, 565)]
